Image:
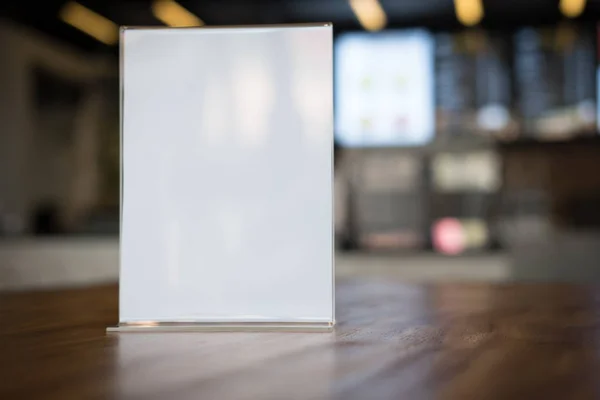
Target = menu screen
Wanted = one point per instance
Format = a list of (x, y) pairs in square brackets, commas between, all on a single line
[(473, 84), (455, 84), (385, 89), (556, 80)]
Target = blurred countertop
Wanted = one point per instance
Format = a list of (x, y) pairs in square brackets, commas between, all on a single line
[(82, 261)]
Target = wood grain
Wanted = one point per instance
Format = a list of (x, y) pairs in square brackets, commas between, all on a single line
[(393, 341)]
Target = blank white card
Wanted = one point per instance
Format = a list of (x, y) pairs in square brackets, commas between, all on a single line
[(227, 171)]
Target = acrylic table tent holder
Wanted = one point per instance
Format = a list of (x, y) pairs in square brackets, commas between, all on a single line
[(227, 179)]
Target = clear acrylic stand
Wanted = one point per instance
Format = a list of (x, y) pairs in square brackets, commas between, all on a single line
[(227, 179)]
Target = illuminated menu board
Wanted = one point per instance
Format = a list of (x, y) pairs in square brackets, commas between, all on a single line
[(455, 84), (385, 89), (495, 106), (556, 81), (473, 85)]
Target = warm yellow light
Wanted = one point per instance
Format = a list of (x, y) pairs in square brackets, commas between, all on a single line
[(90, 22), (469, 12), (369, 13), (572, 8), (173, 14)]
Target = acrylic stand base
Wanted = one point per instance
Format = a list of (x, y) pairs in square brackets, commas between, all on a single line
[(147, 327)]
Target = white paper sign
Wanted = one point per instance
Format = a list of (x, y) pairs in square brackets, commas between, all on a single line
[(227, 164)]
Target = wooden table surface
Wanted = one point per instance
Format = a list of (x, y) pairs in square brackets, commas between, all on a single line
[(393, 341)]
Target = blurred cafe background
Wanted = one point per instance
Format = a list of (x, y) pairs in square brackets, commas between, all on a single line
[(467, 135)]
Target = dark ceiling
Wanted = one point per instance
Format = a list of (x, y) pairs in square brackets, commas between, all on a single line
[(434, 14)]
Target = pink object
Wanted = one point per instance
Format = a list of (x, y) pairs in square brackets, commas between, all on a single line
[(449, 236)]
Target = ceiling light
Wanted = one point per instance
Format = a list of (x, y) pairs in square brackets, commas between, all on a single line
[(90, 22), (369, 13), (173, 14), (572, 8), (469, 12)]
